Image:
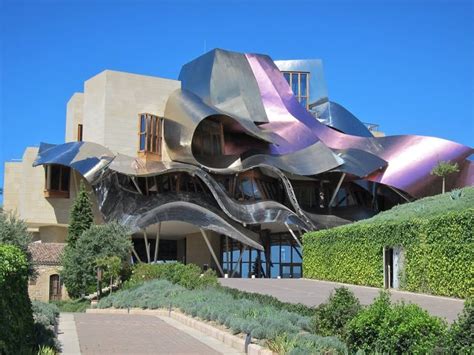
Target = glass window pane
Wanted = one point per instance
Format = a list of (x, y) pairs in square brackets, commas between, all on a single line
[(65, 179), (275, 253), (148, 135), (142, 142), (275, 270), (296, 255), (304, 102), (247, 188), (285, 253), (303, 87), (54, 178), (246, 255), (294, 83), (142, 123), (245, 270), (152, 134), (235, 254), (297, 272), (287, 77), (285, 271)]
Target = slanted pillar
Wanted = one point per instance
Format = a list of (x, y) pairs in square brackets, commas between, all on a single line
[(336, 190), (216, 260), (147, 246), (294, 235), (157, 242)]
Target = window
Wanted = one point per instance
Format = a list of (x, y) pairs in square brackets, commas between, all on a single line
[(299, 84), (150, 134), (79, 132), (209, 139), (57, 181)]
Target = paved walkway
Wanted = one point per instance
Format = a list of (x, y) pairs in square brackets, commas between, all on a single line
[(67, 334), (133, 334), (313, 293)]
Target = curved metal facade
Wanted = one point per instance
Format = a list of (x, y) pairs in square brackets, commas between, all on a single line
[(265, 129)]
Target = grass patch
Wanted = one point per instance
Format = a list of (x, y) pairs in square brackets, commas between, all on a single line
[(74, 306)]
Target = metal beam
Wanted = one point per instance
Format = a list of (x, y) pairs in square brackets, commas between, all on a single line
[(136, 255), (399, 193), (136, 185), (227, 253), (147, 246), (216, 260), (337, 189), (157, 242), (294, 235)]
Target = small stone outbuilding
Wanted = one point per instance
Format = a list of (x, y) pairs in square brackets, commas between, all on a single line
[(47, 284)]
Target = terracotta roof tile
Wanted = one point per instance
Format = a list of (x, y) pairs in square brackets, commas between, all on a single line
[(46, 253)]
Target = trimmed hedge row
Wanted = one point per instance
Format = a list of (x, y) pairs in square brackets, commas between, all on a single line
[(438, 253), (16, 325)]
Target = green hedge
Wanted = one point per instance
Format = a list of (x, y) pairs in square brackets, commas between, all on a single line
[(438, 253), (189, 276), (16, 325)]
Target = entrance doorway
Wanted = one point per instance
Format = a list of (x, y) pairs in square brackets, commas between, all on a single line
[(289, 270), (54, 288), (392, 261)]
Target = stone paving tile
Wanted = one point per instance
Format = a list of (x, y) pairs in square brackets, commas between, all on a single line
[(314, 292), (125, 334)]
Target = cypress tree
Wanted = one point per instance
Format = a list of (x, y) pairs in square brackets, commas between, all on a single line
[(81, 217)]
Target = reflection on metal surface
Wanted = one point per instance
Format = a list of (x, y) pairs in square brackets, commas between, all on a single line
[(243, 104)]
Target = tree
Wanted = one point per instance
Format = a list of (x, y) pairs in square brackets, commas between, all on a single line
[(443, 169), (79, 262), (13, 231), (111, 265), (81, 217)]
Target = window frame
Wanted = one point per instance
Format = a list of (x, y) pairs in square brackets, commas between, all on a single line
[(61, 192), (80, 132), (152, 135), (298, 95)]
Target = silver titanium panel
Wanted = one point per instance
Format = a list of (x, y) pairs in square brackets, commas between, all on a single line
[(223, 76), (183, 113), (337, 116)]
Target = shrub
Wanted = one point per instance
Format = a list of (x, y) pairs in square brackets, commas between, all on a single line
[(331, 317), (188, 276), (16, 325), (270, 300), (400, 328), (212, 304), (306, 344), (46, 350), (461, 334), (44, 315), (437, 252), (79, 262)]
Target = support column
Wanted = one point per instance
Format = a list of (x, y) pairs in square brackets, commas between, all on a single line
[(216, 260), (157, 242), (294, 235), (336, 190), (147, 246), (136, 255)]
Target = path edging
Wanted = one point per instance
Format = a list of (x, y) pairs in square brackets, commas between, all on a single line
[(223, 336)]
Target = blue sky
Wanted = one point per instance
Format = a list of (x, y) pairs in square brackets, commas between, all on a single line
[(406, 65)]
